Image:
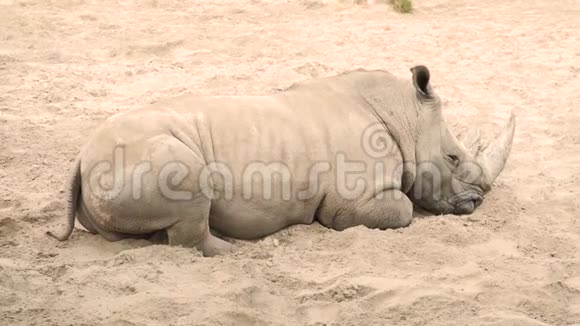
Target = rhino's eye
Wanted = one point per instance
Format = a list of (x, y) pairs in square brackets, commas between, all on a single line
[(453, 159)]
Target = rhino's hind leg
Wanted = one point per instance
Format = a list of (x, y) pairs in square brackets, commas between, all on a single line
[(182, 199), (193, 231)]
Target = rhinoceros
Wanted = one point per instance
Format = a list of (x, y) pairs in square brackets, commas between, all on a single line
[(359, 148)]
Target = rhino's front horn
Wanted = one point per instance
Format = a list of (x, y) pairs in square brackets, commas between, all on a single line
[(494, 156)]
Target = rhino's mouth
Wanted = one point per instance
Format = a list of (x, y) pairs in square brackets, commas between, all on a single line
[(466, 202)]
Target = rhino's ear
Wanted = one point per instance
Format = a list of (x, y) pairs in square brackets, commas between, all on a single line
[(421, 81)]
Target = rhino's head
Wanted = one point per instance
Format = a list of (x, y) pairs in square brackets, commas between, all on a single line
[(452, 176)]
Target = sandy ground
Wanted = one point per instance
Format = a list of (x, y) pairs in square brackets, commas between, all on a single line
[(67, 65)]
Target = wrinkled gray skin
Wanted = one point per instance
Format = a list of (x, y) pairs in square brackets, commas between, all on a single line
[(313, 121)]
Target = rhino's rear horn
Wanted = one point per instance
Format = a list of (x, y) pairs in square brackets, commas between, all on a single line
[(494, 156)]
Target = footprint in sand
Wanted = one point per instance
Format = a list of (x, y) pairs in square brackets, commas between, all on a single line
[(8, 227), (337, 292)]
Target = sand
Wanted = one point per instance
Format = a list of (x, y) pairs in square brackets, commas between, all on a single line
[(67, 65)]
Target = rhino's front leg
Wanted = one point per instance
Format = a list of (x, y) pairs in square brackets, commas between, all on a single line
[(390, 209)]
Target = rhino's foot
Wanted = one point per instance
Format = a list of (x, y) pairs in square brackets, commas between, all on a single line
[(185, 235), (213, 246)]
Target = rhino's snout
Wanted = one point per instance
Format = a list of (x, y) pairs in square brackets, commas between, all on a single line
[(466, 203), (467, 207)]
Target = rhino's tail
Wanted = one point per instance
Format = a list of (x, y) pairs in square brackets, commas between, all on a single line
[(72, 196)]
